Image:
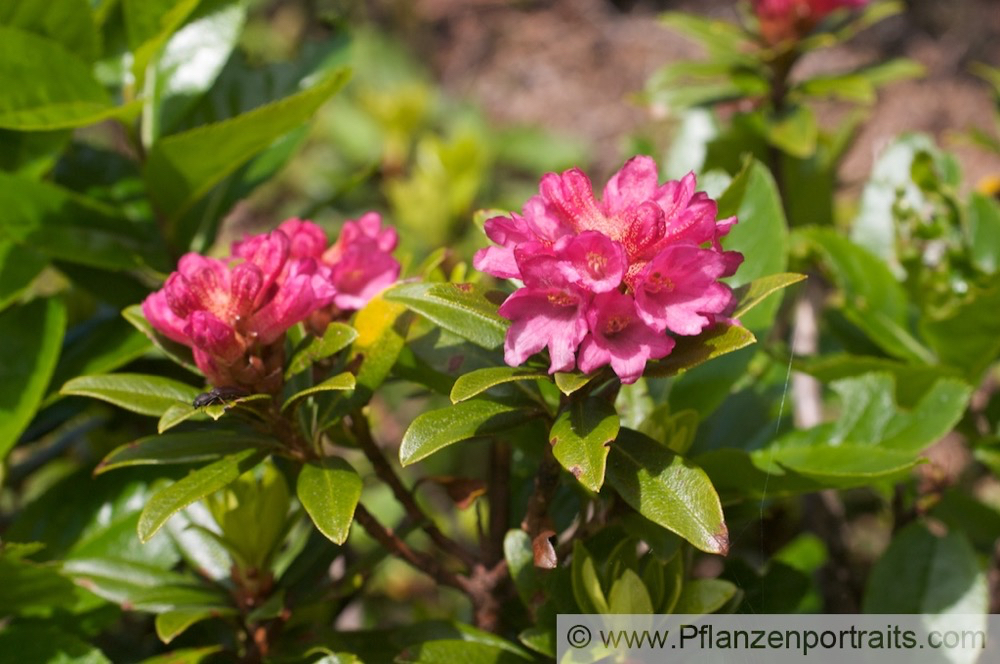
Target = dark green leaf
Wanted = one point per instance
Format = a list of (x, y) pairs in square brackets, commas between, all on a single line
[(171, 624), (19, 267), (926, 573), (142, 587), (751, 294), (195, 486), (968, 336), (183, 167), (45, 86), (437, 429), (586, 585), (703, 596), (185, 656), (691, 351), (467, 310), (581, 436), (628, 595), (139, 393), (34, 642), (448, 651), (520, 559), (32, 335), (174, 351), (342, 381), (183, 447), (28, 585), (69, 22), (984, 233), (336, 338), (329, 491), (668, 490), (476, 382)]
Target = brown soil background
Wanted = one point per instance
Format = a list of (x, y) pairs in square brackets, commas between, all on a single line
[(570, 65)]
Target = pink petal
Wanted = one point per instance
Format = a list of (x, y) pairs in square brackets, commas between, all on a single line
[(544, 318), (631, 186), (497, 261), (619, 336), (293, 302), (163, 319), (571, 197), (246, 281), (592, 261), (361, 274), (213, 336), (268, 252), (306, 239)]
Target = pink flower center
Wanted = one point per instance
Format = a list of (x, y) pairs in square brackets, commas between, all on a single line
[(596, 263), (615, 325), (658, 282), (561, 299)]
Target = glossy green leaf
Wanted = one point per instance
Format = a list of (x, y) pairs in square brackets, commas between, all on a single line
[(43, 643), (928, 574), (148, 26), (336, 338), (183, 447), (668, 490), (171, 624), (45, 86), (912, 381), (476, 382), (69, 22), (702, 596), (586, 584), (342, 381), (580, 438), (382, 328), (467, 310), (30, 586), (437, 429), (32, 335), (183, 167), (794, 131), (55, 222), (752, 294), (329, 491), (142, 587), (628, 595), (568, 383), (689, 352), (184, 656), (448, 651), (139, 393), (194, 486)]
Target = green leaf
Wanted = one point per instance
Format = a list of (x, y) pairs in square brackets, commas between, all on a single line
[(520, 557), (586, 585), (143, 587), (925, 573), (580, 438), (897, 69), (69, 22), (967, 337), (336, 338), (194, 486), (448, 651), (847, 87), (171, 624), (20, 266), (28, 585), (751, 294), (668, 490), (437, 429), (45, 86), (32, 335), (702, 596), (105, 345), (329, 491), (174, 351), (148, 26), (467, 310), (984, 233), (689, 352), (721, 38), (476, 382), (139, 393), (184, 656), (568, 383), (342, 381), (184, 167), (55, 222), (912, 381), (183, 447), (794, 131), (382, 328), (42, 643), (875, 302), (628, 595)]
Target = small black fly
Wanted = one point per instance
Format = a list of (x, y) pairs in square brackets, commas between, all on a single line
[(219, 396)]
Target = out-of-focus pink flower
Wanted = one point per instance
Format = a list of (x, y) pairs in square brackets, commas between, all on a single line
[(614, 274), (234, 313), (784, 20)]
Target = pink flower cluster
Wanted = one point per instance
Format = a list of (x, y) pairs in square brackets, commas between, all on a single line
[(604, 281), (233, 313), (781, 20)]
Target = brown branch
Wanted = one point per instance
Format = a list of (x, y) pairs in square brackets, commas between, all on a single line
[(417, 559), (385, 472), (536, 517)]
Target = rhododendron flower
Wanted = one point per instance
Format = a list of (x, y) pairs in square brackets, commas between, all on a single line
[(782, 20), (606, 280), (234, 313)]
